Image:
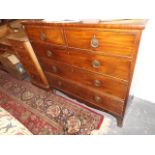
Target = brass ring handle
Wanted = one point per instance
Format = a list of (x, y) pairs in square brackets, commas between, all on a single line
[(42, 36), (94, 42), (97, 83), (49, 53), (97, 99), (96, 64), (54, 69)]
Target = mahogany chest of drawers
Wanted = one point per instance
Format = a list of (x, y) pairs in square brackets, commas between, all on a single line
[(23, 50), (92, 62)]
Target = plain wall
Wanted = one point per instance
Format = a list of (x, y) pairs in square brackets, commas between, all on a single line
[(143, 84)]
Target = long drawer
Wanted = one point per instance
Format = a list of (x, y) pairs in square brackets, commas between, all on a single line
[(96, 81), (53, 35), (97, 98), (106, 65), (108, 41)]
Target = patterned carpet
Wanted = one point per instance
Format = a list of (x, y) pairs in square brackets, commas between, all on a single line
[(43, 112)]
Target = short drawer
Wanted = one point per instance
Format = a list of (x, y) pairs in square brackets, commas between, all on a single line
[(95, 81), (16, 43), (99, 99), (122, 43), (19, 47), (49, 34), (102, 64)]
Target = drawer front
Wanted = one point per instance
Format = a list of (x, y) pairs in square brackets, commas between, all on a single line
[(16, 43), (95, 81), (22, 54), (89, 95), (5, 48), (47, 34), (24, 58), (2, 51), (107, 65), (111, 42)]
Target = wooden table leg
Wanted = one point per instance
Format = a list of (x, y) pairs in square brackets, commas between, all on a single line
[(119, 122)]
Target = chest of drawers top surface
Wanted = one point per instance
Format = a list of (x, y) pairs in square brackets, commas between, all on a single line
[(138, 24), (95, 56)]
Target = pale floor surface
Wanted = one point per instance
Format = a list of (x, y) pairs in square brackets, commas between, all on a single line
[(139, 118)]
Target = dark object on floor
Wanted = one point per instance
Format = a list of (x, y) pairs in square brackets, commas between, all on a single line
[(13, 66)]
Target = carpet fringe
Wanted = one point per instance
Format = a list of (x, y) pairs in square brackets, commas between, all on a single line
[(104, 128)]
